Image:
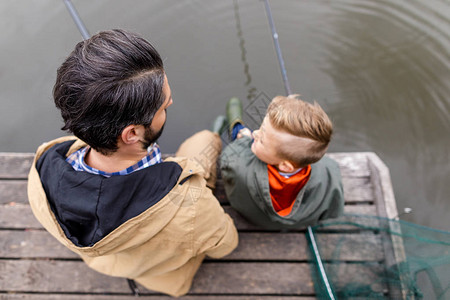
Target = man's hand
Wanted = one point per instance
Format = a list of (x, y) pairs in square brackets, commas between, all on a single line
[(244, 132)]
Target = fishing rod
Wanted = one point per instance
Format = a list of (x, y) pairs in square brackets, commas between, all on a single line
[(310, 234), (76, 18), (287, 87)]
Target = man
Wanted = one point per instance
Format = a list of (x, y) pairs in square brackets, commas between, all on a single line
[(106, 194)]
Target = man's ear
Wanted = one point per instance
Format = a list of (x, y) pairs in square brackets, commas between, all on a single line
[(132, 134), (286, 167)]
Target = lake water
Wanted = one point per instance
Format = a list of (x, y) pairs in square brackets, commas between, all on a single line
[(379, 68)]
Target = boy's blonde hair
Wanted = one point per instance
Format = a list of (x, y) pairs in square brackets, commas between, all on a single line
[(302, 119)]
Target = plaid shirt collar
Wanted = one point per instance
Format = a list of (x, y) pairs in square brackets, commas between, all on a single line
[(76, 159)]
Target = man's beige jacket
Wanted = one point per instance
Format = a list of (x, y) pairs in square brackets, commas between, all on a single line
[(162, 247)]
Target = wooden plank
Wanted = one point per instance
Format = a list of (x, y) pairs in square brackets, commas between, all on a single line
[(356, 189), (13, 191), (384, 192), (56, 276), (358, 275), (357, 185), (20, 216), (253, 246), (294, 247), (15, 165), (370, 210), (43, 296), (212, 278), (32, 244), (253, 278), (357, 210), (37, 276), (363, 247), (352, 164), (393, 245)]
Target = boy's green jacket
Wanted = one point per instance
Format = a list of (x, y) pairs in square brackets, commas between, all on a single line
[(247, 187)]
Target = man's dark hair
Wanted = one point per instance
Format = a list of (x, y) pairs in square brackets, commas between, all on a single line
[(110, 81)]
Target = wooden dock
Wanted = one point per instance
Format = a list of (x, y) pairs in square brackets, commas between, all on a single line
[(266, 265)]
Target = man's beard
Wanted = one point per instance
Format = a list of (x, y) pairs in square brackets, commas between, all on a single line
[(150, 136)]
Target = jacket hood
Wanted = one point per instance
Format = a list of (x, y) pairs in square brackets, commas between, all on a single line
[(92, 214)]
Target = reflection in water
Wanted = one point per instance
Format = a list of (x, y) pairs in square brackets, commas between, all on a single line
[(251, 89), (395, 91), (379, 67)]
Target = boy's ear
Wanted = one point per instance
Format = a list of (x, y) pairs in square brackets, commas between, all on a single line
[(132, 134), (286, 167)]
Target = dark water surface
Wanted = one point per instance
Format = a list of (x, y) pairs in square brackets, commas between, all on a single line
[(381, 69)]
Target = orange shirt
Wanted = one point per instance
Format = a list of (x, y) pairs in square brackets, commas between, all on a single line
[(284, 191)]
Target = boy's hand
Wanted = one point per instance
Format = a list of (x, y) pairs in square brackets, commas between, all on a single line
[(244, 132)]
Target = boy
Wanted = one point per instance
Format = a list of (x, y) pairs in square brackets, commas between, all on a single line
[(280, 178)]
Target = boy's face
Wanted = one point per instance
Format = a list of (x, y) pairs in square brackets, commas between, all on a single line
[(266, 140)]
